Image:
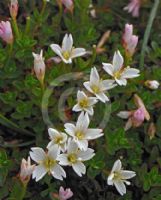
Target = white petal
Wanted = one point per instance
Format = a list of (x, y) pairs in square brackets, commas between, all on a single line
[(53, 152), (67, 43), (70, 129), (102, 97), (124, 114), (57, 49), (130, 73), (81, 95), (72, 147), (94, 76), (108, 84), (37, 154), (117, 166), (117, 61), (63, 160), (89, 110), (108, 68), (92, 101), (121, 81), (58, 172), (79, 168), (93, 133), (128, 124), (127, 174), (87, 85), (110, 179), (78, 52), (52, 133), (82, 144), (83, 121), (120, 186), (77, 108), (39, 172), (86, 155)]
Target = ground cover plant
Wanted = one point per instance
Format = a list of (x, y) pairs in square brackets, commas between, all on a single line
[(80, 100)]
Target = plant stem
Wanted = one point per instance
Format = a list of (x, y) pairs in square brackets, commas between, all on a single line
[(147, 32), (17, 145), (15, 27)]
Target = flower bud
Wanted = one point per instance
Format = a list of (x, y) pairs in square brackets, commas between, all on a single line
[(26, 170), (6, 32), (39, 66), (13, 7), (65, 194), (152, 84), (151, 130), (133, 7), (138, 117), (69, 5), (130, 41)]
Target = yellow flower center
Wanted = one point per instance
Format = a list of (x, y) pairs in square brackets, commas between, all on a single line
[(58, 140), (117, 74), (66, 55), (49, 163), (117, 176), (95, 89), (83, 103), (72, 158), (79, 135)]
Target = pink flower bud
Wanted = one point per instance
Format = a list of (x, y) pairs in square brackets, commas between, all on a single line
[(13, 7), (138, 117), (129, 40), (69, 5), (65, 194), (39, 66), (26, 170), (6, 32), (133, 7), (152, 84)]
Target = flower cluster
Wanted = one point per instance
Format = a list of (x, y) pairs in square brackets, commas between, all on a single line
[(71, 146)]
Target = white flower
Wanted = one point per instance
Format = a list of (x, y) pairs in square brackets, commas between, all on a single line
[(26, 169), (67, 52), (118, 72), (81, 133), (75, 158), (98, 86), (152, 84), (39, 65), (57, 139), (47, 163), (119, 177), (84, 103)]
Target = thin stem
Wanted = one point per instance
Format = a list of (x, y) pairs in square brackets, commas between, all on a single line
[(17, 145), (147, 32), (15, 27), (27, 29)]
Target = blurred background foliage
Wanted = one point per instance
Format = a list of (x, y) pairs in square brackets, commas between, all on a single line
[(21, 121)]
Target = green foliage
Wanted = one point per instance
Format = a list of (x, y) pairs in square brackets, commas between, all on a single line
[(21, 94)]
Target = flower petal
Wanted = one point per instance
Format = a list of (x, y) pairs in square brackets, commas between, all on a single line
[(82, 144), (94, 76), (37, 154), (67, 43), (117, 61), (120, 186), (102, 97), (130, 73), (127, 174), (108, 68), (93, 133), (78, 52), (86, 155), (124, 114), (63, 160), (39, 172), (70, 129), (79, 168), (57, 49), (117, 166), (58, 172)]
